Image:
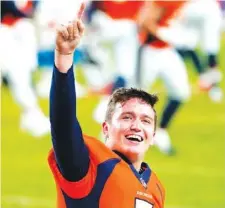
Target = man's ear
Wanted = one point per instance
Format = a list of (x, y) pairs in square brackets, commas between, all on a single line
[(153, 139), (105, 129)]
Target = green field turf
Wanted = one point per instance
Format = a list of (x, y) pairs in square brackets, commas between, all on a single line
[(193, 178)]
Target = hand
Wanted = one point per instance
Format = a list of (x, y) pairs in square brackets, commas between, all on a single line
[(68, 36)]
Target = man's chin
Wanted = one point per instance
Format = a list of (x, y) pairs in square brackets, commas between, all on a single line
[(133, 152)]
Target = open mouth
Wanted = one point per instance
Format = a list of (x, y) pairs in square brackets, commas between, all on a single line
[(134, 137)]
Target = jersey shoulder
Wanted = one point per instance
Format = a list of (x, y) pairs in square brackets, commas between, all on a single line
[(98, 151), (158, 188)]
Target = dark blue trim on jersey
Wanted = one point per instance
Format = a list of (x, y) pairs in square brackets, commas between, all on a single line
[(71, 153), (144, 177), (104, 171), (146, 173)]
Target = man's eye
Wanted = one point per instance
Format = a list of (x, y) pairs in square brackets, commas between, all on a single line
[(127, 117), (147, 121)]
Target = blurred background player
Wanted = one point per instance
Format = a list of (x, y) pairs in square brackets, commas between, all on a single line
[(113, 23), (160, 59), (203, 18), (18, 61)]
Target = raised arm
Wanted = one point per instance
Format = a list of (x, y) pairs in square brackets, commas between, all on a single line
[(71, 153)]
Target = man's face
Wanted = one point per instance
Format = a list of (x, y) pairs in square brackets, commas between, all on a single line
[(131, 129)]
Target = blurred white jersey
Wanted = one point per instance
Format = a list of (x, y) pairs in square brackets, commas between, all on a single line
[(114, 23), (18, 45), (160, 60), (17, 60)]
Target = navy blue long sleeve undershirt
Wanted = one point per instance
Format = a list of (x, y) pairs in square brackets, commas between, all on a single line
[(71, 153)]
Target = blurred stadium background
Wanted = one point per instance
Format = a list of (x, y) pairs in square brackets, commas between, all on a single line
[(194, 177)]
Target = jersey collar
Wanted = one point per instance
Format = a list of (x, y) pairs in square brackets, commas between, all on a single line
[(145, 172)]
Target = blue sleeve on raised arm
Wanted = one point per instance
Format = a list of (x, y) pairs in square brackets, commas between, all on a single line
[(71, 153)]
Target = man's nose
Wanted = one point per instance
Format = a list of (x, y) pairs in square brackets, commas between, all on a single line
[(136, 125)]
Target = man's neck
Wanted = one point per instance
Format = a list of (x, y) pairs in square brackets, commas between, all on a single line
[(136, 164)]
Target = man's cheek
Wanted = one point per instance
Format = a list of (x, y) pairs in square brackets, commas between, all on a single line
[(116, 124)]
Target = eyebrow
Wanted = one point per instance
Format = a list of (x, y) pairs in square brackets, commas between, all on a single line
[(132, 113)]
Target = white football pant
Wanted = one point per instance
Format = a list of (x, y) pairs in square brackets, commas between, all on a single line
[(167, 65), (121, 35), (204, 19), (18, 60)]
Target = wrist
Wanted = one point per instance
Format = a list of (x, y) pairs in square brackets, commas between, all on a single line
[(62, 52), (63, 61)]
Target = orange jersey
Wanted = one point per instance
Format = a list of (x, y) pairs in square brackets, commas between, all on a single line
[(109, 183), (120, 9), (170, 12)]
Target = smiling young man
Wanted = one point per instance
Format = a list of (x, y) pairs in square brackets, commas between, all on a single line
[(88, 173)]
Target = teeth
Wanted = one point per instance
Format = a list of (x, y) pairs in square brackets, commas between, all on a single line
[(134, 137)]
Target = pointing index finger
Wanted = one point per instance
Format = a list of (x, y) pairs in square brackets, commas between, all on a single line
[(81, 10)]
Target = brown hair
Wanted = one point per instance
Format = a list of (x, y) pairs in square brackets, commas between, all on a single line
[(122, 95)]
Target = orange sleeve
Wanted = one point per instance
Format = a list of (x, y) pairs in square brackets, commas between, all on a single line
[(78, 189), (161, 190), (98, 153)]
